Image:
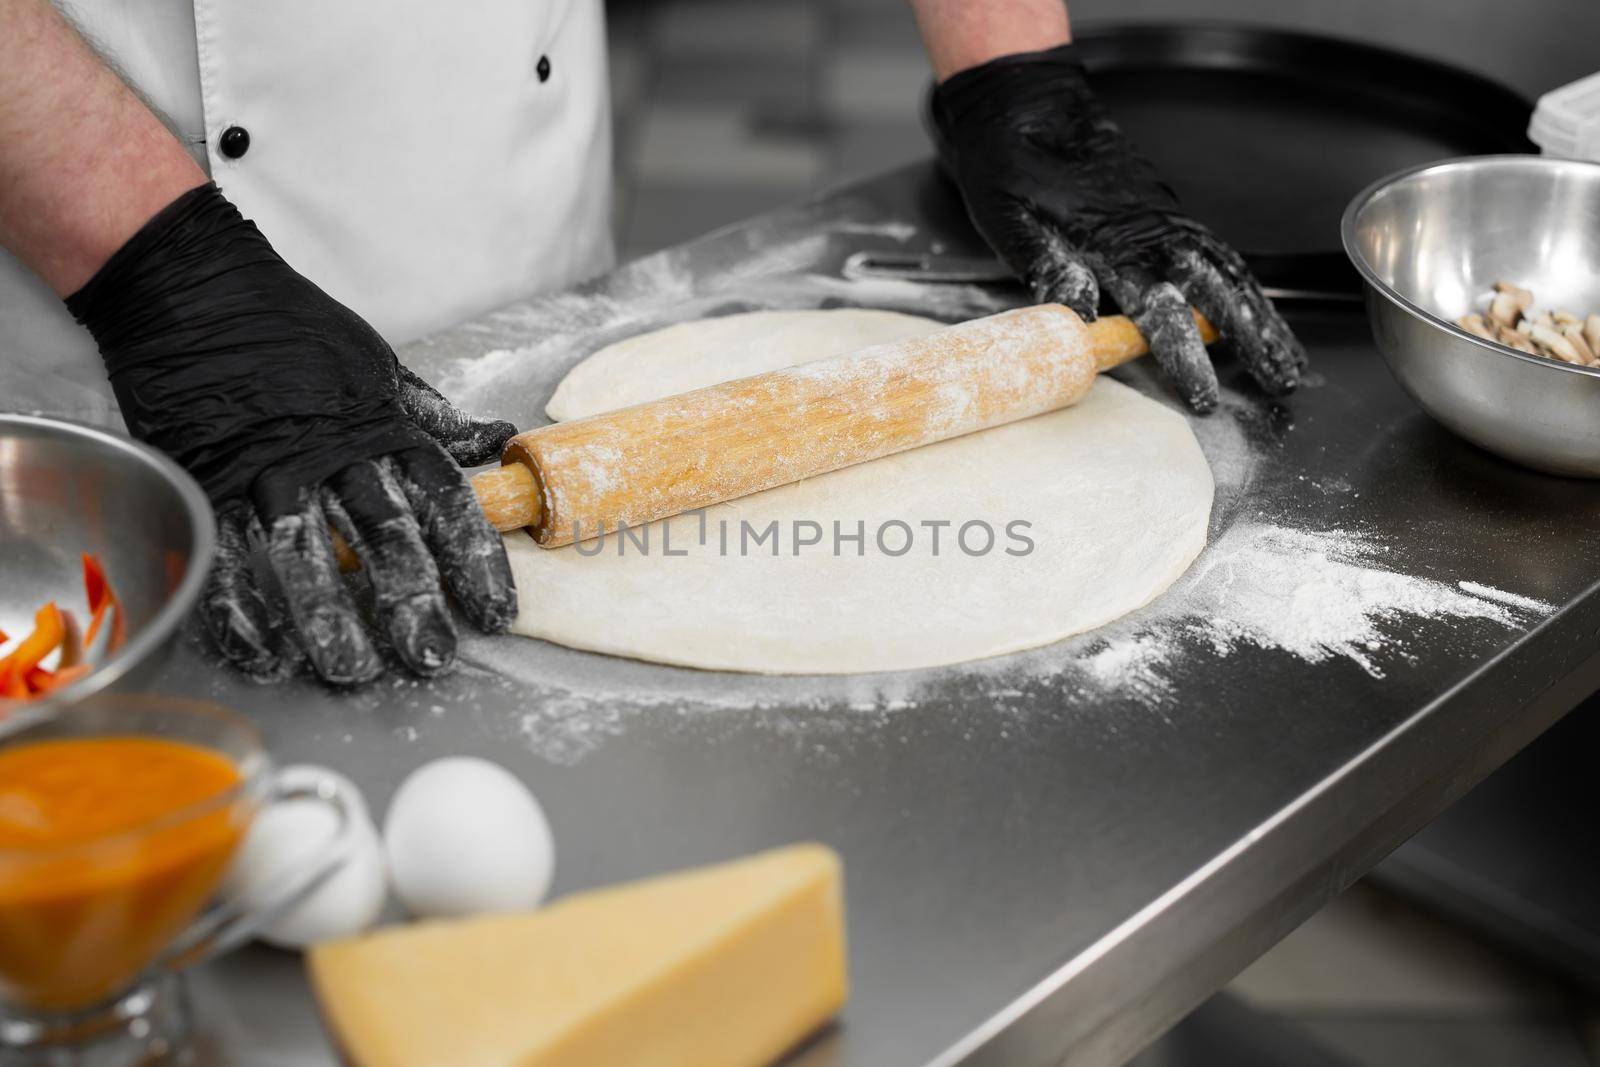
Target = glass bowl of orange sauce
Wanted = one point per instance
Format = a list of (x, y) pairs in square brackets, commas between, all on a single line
[(119, 817)]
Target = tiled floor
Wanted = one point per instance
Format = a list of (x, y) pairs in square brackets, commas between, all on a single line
[(726, 109)]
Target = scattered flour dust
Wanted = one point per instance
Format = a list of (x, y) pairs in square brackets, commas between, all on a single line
[(507, 365), (1510, 600), (1134, 665), (1323, 594), (1318, 595)]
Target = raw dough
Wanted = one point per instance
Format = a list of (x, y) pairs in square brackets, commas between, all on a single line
[(691, 355), (1116, 492)]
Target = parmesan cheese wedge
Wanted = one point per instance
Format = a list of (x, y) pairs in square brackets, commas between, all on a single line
[(722, 966)]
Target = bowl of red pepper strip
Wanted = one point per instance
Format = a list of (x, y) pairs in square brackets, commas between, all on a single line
[(104, 547)]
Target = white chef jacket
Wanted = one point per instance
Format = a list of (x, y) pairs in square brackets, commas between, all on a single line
[(420, 161)]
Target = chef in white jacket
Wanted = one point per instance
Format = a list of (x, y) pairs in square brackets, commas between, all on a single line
[(415, 163), (216, 217), (421, 162)]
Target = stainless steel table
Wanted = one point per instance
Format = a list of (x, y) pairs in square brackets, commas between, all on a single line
[(1048, 860)]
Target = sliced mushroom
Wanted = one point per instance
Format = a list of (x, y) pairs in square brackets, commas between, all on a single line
[(1523, 297), (1574, 335), (1513, 339), (1557, 345), (1509, 318), (1475, 325), (1504, 308)]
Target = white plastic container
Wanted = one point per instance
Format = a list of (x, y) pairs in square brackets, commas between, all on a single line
[(1566, 122)]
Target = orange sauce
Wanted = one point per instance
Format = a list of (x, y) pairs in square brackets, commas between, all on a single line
[(99, 867)]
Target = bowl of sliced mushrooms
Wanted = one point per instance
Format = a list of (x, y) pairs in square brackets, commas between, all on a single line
[(1482, 281), (1512, 317)]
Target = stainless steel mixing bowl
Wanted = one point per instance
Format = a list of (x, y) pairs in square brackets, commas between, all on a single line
[(66, 489), (1429, 241)]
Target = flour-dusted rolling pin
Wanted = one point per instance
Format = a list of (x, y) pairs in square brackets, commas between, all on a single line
[(575, 480)]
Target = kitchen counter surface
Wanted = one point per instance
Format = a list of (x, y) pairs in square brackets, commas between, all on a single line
[(1051, 856)]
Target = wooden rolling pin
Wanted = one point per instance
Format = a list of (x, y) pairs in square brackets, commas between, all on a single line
[(726, 441), (575, 480)]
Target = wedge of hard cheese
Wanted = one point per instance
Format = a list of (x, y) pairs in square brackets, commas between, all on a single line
[(724, 966)]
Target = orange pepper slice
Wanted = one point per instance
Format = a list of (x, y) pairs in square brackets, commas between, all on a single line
[(21, 675), (49, 630)]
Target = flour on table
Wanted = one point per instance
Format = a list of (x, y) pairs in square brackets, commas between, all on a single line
[(776, 273), (1325, 594), (1526, 605), (576, 701)]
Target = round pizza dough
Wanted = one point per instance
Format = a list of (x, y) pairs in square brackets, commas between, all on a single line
[(991, 543)]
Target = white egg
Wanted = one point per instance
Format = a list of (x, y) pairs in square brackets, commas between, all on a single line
[(465, 836), (289, 835)]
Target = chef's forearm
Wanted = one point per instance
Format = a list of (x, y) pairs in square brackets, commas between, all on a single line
[(964, 33), (83, 162)]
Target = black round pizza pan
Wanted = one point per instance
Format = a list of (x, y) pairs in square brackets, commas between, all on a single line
[(1266, 135)]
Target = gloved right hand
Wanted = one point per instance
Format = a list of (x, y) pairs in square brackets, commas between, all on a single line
[(293, 413), (1073, 208)]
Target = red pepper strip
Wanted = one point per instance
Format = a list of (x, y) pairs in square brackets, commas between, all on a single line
[(43, 681), (10, 685), (94, 582), (119, 625), (113, 607), (102, 599)]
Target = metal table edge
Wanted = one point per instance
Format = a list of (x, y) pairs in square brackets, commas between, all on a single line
[(1111, 1037)]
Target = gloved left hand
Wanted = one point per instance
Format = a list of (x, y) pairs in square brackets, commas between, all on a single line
[(1067, 201), (293, 413)]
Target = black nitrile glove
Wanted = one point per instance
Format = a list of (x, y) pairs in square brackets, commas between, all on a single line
[(293, 413), (1070, 205)]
